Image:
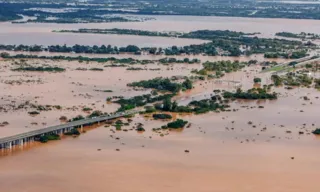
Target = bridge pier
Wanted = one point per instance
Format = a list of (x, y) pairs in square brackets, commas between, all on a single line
[(9, 145), (23, 138)]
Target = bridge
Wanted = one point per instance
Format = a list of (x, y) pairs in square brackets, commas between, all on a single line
[(20, 139)]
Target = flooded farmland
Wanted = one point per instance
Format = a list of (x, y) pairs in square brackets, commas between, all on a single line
[(260, 145), (42, 33)]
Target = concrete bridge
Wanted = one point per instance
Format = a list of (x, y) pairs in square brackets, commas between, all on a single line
[(20, 139)]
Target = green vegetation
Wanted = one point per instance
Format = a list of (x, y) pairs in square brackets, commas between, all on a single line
[(254, 93), (73, 132), (105, 91), (203, 106), (317, 84), (149, 109), (96, 11), (257, 80), (86, 109), (77, 118), (301, 35), (49, 137), (316, 132), (220, 68), (95, 69), (117, 62), (293, 79), (288, 55), (34, 113), (163, 84), (200, 34), (227, 43), (96, 113), (40, 69), (122, 32), (161, 116), (138, 101), (177, 124)]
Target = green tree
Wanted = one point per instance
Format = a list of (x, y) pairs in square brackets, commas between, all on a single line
[(257, 80), (174, 106), (167, 104), (187, 84)]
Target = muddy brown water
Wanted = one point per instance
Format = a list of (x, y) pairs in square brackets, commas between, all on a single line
[(223, 156), (42, 33)]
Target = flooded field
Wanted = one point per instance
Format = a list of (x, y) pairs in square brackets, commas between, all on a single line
[(222, 147), (261, 145), (42, 33)]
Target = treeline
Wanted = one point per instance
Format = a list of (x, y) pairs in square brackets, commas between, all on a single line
[(293, 79), (229, 44), (123, 32), (40, 69), (139, 101), (287, 55), (301, 35), (254, 93), (199, 34), (101, 60), (221, 67), (163, 84)]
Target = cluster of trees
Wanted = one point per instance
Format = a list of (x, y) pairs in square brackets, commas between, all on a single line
[(229, 45), (224, 66), (221, 67), (197, 107), (77, 118), (177, 124), (40, 69), (257, 80), (49, 137), (174, 60), (301, 35), (101, 60), (199, 34), (316, 131), (254, 93), (161, 116), (287, 55), (73, 131), (76, 48), (138, 101), (163, 84), (292, 79), (122, 32)]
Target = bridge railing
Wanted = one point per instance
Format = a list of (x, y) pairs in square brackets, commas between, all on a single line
[(63, 126)]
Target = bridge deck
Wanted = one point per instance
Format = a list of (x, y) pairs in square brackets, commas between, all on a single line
[(63, 126)]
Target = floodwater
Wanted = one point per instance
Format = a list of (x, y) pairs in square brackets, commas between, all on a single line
[(276, 153), (225, 152), (146, 56), (37, 33)]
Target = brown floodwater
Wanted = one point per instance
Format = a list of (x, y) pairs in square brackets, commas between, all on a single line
[(225, 152), (246, 157), (42, 33)]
